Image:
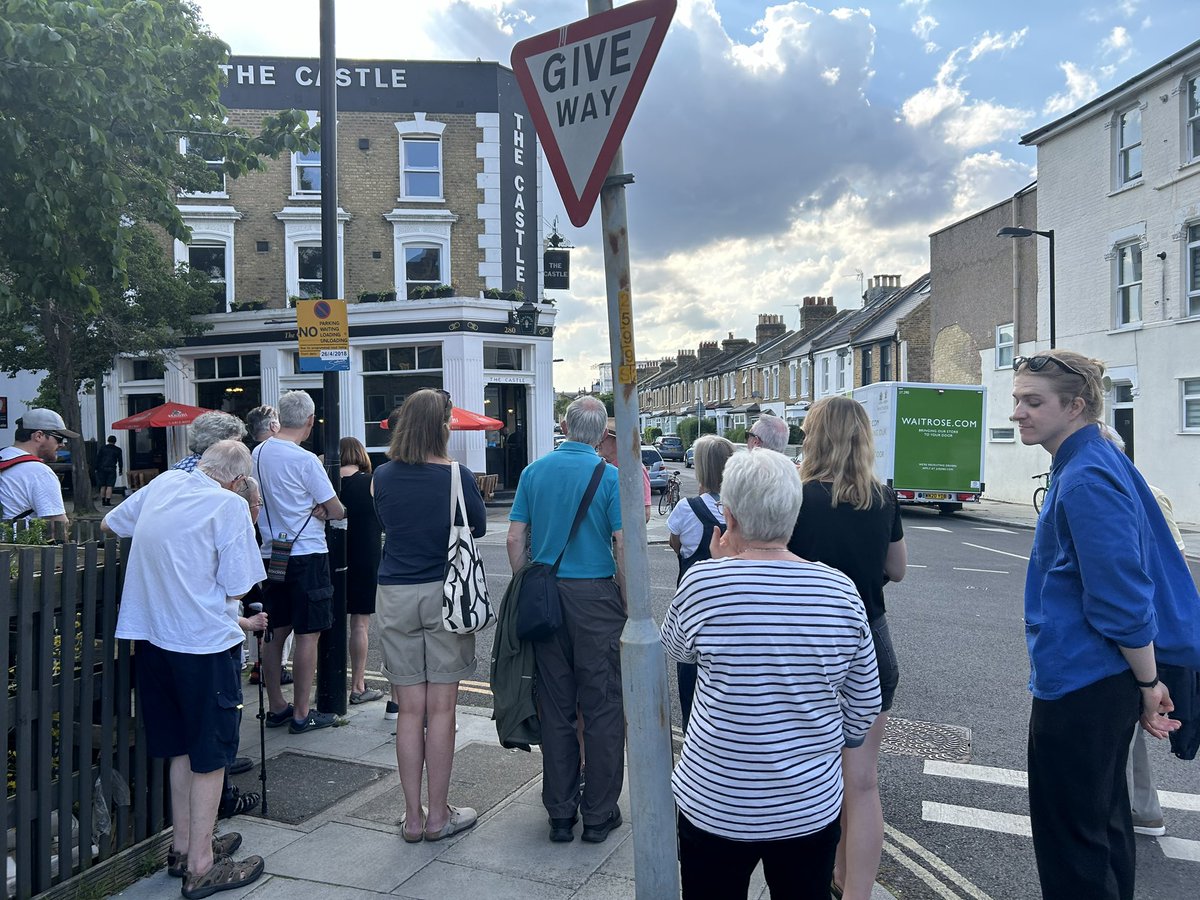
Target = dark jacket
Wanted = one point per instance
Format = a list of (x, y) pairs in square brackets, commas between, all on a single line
[(514, 709)]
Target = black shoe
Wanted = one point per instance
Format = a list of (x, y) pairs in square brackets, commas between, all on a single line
[(240, 765), (561, 830), (314, 721), (597, 834), (235, 802), (279, 719)]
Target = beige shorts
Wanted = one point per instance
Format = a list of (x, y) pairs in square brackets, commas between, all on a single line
[(417, 649)]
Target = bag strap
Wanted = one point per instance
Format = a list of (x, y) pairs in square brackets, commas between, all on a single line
[(702, 512), (597, 474), (457, 501), (9, 463), (262, 493)]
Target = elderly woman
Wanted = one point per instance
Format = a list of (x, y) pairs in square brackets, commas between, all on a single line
[(691, 525), (1108, 598), (206, 430), (787, 679), (421, 659)]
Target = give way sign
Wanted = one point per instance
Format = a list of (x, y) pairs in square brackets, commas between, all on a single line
[(581, 83)]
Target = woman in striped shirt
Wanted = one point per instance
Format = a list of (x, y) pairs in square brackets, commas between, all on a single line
[(787, 678)]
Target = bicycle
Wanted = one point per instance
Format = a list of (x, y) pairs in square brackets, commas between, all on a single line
[(1039, 493), (670, 495)]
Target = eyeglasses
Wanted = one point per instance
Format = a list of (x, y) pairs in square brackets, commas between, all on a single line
[(1037, 363), (61, 438), (752, 434)]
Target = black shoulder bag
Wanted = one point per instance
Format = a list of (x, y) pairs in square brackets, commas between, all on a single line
[(539, 611)]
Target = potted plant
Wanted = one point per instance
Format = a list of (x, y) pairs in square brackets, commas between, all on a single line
[(445, 290), (249, 305), (511, 296), (377, 296)]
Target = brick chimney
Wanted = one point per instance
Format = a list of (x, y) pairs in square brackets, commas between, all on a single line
[(879, 286), (708, 349), (682, 356), (815, 311), (731, 343), (769, 326)]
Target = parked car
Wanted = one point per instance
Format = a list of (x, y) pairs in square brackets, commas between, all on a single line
[(670, 446), (653, 461), (689, 458)]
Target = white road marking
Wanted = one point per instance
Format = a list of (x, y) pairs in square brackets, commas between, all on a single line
[(1175, 800), (992, 528), (983, 819), (959, 880), (938, 888), (994, 550), (930, 528), (989, 571), (915, 566), (1178, 848)]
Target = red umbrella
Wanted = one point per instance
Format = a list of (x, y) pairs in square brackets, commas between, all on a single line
[(462, 420), (169, 413)]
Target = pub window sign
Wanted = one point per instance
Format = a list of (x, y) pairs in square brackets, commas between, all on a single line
[(556, 270)]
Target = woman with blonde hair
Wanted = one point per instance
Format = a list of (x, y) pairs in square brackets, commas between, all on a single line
[(364, 537), (421, 659), (850, 521)]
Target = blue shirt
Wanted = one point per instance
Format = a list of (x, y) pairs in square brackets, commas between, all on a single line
[(1104, 573), (548, 497)]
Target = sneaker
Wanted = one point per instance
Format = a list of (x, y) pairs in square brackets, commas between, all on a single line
[(1150, 827), (365, 696), (562, 830), (279, 719), (597, 834), (391, 712), (314, 721)]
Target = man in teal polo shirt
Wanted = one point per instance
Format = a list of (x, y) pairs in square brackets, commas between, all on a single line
[(579, 669)]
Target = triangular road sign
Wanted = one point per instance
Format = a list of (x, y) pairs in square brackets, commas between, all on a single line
[(581, 83)]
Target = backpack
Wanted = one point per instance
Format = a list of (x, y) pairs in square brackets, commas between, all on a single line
[(8, 464)]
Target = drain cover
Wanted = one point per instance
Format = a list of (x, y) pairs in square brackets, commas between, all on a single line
[(932, 740), (301, 786)]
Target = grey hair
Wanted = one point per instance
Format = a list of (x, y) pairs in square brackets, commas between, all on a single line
[(226, 461), (772, 431), (210, 427), (587, 420), (260, 419), (762, 491), (294, 409), (248, 488)]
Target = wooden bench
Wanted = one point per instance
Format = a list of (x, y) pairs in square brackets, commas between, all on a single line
[(487, 485)]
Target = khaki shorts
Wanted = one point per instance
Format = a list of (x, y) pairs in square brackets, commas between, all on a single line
[(417, 649)]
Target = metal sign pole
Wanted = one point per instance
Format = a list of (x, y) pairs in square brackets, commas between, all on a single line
[(643, 664)]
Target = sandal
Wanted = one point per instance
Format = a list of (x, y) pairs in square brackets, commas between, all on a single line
[(226, 874), (365, 696), (223, 845), (410, 838), (236, 802), (461, 818)]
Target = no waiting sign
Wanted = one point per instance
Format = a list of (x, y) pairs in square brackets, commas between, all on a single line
[(324, 335), (581, 84)]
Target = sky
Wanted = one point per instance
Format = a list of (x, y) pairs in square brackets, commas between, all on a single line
[(779, 150)]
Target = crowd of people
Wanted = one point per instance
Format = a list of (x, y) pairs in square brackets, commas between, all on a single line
[(778, 628)]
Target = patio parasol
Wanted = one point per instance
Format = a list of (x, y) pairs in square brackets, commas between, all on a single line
[(169, 413), (464, 420)]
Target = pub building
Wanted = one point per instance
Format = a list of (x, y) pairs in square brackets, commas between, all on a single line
[(439, 241)]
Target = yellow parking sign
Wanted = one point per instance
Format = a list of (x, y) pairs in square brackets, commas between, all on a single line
[(324, 335)]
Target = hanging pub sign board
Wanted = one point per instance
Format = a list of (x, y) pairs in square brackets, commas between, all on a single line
[(556, 270), (324, 335), (581, 83)]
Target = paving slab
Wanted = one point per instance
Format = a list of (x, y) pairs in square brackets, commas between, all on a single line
[(440, 880), (260, 837), (160, 885), (340, 854), (301, 785), (607, 887), (290, 888)]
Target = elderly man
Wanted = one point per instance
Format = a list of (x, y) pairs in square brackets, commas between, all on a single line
[(579, 668), (608, 450), (769, 432), (298, 499), (27, 487), (263, 421), (206, 430), (193, 557)]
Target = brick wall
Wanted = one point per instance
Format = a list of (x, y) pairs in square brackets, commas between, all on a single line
[(914, 329)]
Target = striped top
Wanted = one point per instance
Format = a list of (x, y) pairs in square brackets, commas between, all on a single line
[(787, 678)]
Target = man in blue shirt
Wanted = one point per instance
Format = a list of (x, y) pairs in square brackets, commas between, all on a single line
[(579, 668)]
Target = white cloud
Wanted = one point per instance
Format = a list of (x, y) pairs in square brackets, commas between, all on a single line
[(996, 43), (924, 24), (945, 106), (1118, 44), (1081, 86)]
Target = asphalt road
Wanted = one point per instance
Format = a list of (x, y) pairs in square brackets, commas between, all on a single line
[(955, 830)]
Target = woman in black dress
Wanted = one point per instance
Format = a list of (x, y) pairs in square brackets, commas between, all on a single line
[(364, 539), (850, 521)]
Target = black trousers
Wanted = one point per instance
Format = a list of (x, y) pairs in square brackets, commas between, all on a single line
[(1078, 796), (718, 868)]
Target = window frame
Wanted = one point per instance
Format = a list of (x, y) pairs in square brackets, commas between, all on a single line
[(1191, 273), (213, 165), (298, 247), (406, 168), (212, 225), (423, 244), (298, 162), (864, 367), (224, 279), (885, 362), (997, 436), (1124, 150), (1187, 398), (420, 128), (1119, 286), (1191, 117), (1004, 360)]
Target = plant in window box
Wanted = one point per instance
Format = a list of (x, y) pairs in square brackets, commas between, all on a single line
[(377, 296), (445, 290), (293, 298), (511, 296), (249, 305)]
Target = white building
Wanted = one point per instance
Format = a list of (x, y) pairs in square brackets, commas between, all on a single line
[(1119, 184)]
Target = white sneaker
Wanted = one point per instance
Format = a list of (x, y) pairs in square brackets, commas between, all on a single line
[(1150, 827)]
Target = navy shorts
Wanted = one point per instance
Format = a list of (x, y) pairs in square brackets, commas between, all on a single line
[(304, 601), (191, 704), (885, 656)]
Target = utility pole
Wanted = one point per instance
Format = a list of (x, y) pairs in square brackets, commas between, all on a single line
[(331, 648), (643, 663)]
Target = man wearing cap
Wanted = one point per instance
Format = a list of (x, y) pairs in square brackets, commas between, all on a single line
[(27, 487), (607, 448)]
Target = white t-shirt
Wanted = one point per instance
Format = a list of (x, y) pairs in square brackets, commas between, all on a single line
[(683, 523), (193, 548), (29, 485), (293, 482)]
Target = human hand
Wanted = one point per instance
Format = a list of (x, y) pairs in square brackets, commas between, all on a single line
[(319, 513), (722, 545), (256, 622), (1156, 703)]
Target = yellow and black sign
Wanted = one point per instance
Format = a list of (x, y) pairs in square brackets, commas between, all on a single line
[(324, 335)]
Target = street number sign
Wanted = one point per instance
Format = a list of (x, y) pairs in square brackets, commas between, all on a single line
[(581, 83)]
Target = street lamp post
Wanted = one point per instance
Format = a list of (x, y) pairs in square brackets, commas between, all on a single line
[(1018, 232)]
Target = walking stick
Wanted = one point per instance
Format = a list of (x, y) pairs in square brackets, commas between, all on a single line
[(255, 609)]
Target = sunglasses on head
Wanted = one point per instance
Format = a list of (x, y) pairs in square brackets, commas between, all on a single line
[(1037, 363)]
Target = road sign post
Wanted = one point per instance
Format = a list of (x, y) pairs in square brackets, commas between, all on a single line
[(581, 84)]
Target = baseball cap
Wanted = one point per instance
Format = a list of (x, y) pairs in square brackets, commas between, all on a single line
[(45, 420), (611, 428)]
